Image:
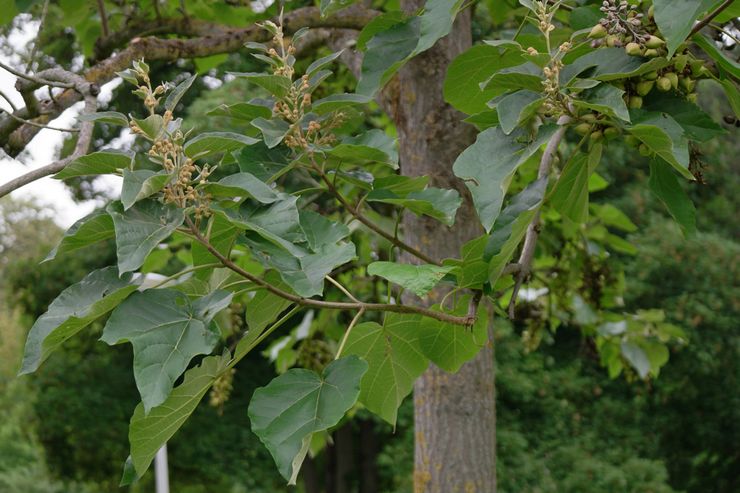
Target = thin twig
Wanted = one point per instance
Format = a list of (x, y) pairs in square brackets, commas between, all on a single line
[(706, 20), (342, 289), (331, 305), (725, 32), (40, 125), (367, 222), (37, 80), (346, 334), (103, 18), (32, 56), (533, 230), (9, 101)]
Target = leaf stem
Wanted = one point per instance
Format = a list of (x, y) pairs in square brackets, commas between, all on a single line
[(342, 289), (706, 20), (346, 334), (183, 272), (331, 305)]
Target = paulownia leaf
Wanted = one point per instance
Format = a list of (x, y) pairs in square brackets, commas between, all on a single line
[(609, 64), (450, 346), (665, 186), (96, 226), (514, 109), (273, 130), (511, 226), (371, 146), (488, 165), (110, 117), (148, 432), (73, 310), (440, 204), (675, 19), (606, 99), (140, 184), (726, 63), (525, 76), (166, 330), (178, 92), (336, 102), (320, 230), (664, 136), (209, 143), (152, 127), (297, 404), (241, 111), (570, 195), (394, 358), (222, 235), (420, 279), (96, 163), (264, 163), (696, 124), (140, 229), (636, 358), (274, 84), (243, 185)]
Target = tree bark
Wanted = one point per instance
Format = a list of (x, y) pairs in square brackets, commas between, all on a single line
[(454, 414)]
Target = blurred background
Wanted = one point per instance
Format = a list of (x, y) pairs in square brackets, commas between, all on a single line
[(562, 424)]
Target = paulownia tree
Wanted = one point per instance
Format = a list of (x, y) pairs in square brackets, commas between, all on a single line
[(403, 250)]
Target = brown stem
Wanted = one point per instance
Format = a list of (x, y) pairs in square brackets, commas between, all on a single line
[(702, 23), (331, 305), (103, 18), (367, 222)]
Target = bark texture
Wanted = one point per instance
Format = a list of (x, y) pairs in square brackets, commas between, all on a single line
[(454, 414)]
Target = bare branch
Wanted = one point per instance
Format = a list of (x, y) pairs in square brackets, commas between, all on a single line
[(103, 18), (38, 80), (533, 230), (39, 125)]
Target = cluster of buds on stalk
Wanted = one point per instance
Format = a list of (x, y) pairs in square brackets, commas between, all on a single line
[(624, 25), (185, 186), (556, 102), (221, 390)]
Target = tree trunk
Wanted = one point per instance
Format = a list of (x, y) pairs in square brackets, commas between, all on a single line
[(368, 458), (454, 414)]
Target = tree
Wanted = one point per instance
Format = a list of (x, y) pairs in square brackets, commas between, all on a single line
[(264, 212)]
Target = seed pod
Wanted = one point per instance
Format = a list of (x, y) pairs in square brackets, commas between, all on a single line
[(635, 102), (633, 49), (687, 84), (651, 75), (612, 41), (651, 12), (692, 98), (680, 63), (654, 42), (583, 128), (651, 53), (664, 84), (632, 141), (596, 135), (673, 78), (696, 68), (597, 32), (644, 87), (589, 118), (644, 150), (611, 132)]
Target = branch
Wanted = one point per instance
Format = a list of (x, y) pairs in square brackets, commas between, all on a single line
[(703, 23), (533, 230), (103, 18), (212, 39), (83, 143), (331, 305)]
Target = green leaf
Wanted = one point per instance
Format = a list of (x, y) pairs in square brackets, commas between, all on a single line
[(611, 216), (96, 163), (664, 184), (322, 62), (696, 124), (511, 226), (570, 195), (241, 111), (209, 143), (606, 99), (140, 229), (390, 49), (433, 202), (471, 271), (336, 102), (148, 432), (675, 19), (328, 7), (295, 405), (8, 11), (74, 309), (636, 357), (111, 117), (151, 127), (167, 331), (140, 184), (450, 346), (664, 136), (96, 226), (320, 230), (420, 279), (205, 64), (273, 130), (243, 185), (515, 108), (178, 92), (394, 359), (609, 64), (263, 162), (525, 76), (222, 235), (371, 146), (274, 84), (725, 63), (488, 165), (470, 69), (380, 23), (733, 95), (265, 307)]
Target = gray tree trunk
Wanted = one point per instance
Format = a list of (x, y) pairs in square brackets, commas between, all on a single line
[(454, 414)]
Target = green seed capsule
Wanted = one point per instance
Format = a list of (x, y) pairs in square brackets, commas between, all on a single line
[(687, 84), (635, 102), (680, 63), (673, 78), (692, 98), (651, 53), (612, 41), (633, 49), (651, 75), (611, 132), (596, 136), (696, 68), (654, 42), (632, 141), (589, 118), (644, 87), (663, 84), (583, 128), (597, 32)]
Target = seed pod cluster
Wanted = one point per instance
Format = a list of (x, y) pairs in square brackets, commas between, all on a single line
[(314, 354)]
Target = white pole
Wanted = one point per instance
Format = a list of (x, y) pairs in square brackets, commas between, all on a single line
[(160, 470)]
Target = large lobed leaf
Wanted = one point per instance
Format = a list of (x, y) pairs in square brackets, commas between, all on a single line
[(292, 407), (166, 330), (73, 310)]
